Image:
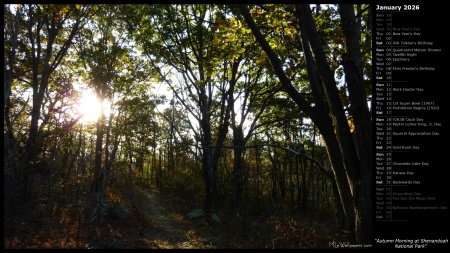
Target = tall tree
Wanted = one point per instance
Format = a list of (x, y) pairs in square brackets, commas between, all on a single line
[(106, 61), (43, 34), (327, 111), (183, 40), (354, 75), (10, 37), (51, 32)]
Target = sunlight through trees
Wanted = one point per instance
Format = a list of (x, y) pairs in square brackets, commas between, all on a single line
[(258, 119)]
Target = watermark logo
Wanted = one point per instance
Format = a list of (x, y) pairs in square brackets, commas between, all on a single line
[(338, 245)]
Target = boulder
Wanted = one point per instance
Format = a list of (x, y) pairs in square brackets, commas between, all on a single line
[(197, 213), (216, 219)]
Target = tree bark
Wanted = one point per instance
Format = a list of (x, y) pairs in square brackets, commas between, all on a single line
[(237, 180), (337, 114), (352, 63), (44, 65), (96, 189), (347, 169), (209, 172)]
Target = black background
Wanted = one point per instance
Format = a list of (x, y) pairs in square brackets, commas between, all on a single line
[(421, 224)]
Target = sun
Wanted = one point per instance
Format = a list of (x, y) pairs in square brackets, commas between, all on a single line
[(89, 106)]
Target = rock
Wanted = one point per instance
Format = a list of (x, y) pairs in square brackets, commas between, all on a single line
[(216, 219), (115, 244), (197, 213)]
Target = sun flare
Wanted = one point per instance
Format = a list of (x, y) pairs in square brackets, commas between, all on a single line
[(90, 107)]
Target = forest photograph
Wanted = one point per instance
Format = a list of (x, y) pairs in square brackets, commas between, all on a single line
[(187, 126)]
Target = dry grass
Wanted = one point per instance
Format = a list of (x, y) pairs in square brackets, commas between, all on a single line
[(57, 227)]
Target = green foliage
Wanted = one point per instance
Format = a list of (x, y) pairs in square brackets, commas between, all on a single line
[(184, 183), (211, 60)]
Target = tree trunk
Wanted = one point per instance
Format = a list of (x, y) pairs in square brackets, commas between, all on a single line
[(341, 179), (291, 183), (273, 158), (297, 178), (171, 158), (340, 215), (153, 170), (38, 96), (305, 185), (209, 172), (237, 180), (346, 165), (10, 56), (96, 189), (352, 63), (159, 174), (282, 181), (130, 167)]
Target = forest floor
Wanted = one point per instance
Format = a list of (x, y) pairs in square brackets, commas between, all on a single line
[(160, 222)]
